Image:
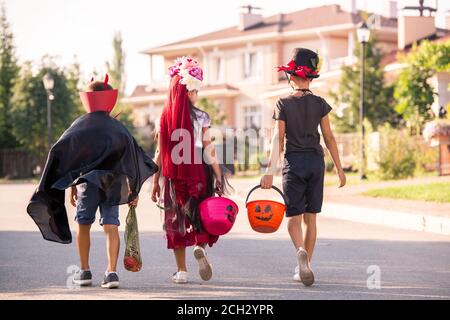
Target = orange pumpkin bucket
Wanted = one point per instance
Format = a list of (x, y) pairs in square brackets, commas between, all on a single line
[(265, 216)]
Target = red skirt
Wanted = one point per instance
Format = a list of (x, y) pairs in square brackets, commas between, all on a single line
[(181, 200)]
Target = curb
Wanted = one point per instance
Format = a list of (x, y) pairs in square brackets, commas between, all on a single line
[(396, 219), (387, 218)]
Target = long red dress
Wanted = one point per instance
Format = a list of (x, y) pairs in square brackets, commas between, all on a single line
[(186, 183)]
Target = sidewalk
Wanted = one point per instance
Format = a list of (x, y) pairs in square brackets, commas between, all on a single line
[(348, 204), (344, 204)]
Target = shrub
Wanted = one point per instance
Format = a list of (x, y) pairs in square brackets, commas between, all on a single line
[(397, 155), (329, 164), (427, 157)]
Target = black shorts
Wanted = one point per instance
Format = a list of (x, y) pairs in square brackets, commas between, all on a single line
[(303, 174)]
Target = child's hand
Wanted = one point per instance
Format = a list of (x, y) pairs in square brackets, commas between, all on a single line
[(219, 187), (156, 192), (342, 178), (73, 196), (134, 203), (267, 181)]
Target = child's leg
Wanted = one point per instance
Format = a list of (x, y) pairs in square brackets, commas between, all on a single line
[(110, 222), (180, 258), (202, 239), (295, 231), (84, 244), (112, 245), (87, 204), (310, 233), (314, 199)]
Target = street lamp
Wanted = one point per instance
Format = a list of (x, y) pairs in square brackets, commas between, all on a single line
[(48, 85), (363, 34)]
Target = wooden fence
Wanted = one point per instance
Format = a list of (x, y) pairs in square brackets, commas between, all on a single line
[(16, 164)]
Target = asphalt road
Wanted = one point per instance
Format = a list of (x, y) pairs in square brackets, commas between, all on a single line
[(247, 265)]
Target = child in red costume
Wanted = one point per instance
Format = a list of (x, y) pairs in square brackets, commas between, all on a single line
[(187, 179)]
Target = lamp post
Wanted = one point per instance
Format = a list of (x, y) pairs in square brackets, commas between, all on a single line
[(363, 34), (48, 85)]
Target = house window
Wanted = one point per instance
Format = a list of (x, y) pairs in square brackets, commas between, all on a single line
[(250, 65), (252, 117)]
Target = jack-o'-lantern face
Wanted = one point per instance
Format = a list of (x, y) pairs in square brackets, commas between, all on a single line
[(265, 215), (230, 213)]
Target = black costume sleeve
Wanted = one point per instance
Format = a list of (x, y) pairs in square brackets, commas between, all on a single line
[(98, 149), (278, 113), (326, 108)]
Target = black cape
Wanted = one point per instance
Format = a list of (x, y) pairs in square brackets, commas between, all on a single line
[(98, 149)]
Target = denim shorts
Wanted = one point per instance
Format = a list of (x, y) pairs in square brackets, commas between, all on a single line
[(89, 199), (303, 175)]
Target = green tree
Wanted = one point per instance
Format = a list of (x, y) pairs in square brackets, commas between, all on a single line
[(413, 92), (217, 115), (378, 103), (116, 71), (30, 106), (116, 68), (73, 75), (9, 71)]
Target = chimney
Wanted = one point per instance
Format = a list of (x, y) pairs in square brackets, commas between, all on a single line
[(349, 6), (390, 9), (249, 19), (413, 28)]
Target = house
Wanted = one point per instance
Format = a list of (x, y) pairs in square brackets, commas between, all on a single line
[(239, 61)]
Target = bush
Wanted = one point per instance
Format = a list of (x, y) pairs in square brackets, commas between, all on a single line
[(398, 154), (427, 157), (329, 164)]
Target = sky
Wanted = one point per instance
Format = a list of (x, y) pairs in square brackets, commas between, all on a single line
[(82, 30)]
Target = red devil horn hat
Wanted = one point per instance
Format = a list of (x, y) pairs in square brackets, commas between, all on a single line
[(104, 100)]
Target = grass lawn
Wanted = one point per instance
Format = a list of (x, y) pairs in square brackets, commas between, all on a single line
[(331, 179), (18, 181), (435, 192)]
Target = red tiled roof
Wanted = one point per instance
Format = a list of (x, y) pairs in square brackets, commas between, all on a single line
[(142, 90), (440, 36), (328, 15)]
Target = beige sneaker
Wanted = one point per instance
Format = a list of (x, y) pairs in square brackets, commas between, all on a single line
[(180, 277), (204, 267), (296, 276), (306, 274)]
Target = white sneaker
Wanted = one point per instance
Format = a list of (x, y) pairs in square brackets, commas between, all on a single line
[(306, 274), (180, 277), (296, 276), (204, 267)]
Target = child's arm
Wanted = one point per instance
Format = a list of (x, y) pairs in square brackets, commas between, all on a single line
[(156, 192), (212, 158), (73, 196), (330, 142), (277, 148)]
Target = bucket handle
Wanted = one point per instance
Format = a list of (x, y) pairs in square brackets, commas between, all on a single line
[(259, 186)]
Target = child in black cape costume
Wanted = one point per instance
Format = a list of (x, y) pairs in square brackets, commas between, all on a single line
[(97, 149)]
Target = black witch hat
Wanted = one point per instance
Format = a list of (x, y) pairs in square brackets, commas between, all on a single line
[(304, 63)]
